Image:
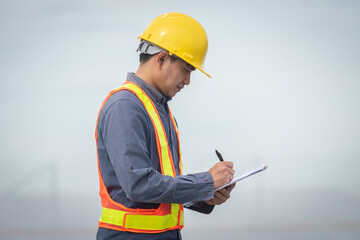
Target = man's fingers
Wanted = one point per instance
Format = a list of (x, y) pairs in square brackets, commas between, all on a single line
[(224, 192), (222, 173), (230, 170), (230, 187), (227, 164), (221, 195)]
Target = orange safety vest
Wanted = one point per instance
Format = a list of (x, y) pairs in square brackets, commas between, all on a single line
[(168, 216)]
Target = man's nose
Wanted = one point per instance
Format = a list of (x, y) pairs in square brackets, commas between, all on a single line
[(187, 79)]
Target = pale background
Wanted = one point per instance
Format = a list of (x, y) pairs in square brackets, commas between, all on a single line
[(285, 92)]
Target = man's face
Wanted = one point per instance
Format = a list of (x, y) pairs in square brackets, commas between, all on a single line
[(175, 75)]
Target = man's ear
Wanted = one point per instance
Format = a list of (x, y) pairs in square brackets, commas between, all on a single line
[(161, 57)]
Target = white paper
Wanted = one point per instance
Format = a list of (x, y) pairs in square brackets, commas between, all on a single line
[(260, 169)]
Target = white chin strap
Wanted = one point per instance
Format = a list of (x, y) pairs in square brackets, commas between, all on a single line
[(149, 48)]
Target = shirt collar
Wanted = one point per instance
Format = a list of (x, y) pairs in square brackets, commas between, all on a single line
[(151, 92)]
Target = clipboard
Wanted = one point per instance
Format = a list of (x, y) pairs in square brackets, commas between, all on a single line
[(248, 174)]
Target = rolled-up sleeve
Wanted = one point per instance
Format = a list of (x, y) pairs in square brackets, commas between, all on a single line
[(125, 130)]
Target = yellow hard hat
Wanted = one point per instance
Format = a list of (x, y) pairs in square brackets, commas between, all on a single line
[(181, 35)]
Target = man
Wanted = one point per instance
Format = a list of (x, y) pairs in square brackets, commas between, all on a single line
[(142, 186)]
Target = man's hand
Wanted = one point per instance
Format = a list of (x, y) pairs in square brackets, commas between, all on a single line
[(221, 195), (222, 173)]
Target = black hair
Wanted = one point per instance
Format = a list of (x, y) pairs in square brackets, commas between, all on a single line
[(143, 58)]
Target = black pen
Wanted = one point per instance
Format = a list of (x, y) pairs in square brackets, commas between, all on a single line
[(219, 156)]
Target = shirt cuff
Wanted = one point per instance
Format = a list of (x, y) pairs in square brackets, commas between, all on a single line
[(206, 186)]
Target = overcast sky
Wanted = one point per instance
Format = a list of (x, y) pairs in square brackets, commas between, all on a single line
[(285, 89)]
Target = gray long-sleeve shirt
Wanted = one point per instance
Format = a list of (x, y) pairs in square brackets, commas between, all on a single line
[(129, 161)]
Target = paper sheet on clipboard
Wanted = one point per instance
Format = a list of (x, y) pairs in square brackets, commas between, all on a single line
[(262, 168)]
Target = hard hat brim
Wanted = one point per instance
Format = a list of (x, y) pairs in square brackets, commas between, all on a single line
[(204, 72)]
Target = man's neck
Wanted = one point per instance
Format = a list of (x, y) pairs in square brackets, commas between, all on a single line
[(146, 73)]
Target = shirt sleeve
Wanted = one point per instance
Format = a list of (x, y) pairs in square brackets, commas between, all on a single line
[(126, 136)]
